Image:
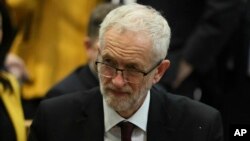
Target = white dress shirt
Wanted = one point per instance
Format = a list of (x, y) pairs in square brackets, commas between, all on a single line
[(112, 118)]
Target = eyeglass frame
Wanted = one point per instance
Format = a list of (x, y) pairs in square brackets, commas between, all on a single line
[(121, 70)]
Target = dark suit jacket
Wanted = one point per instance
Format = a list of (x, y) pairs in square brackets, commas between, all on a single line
[(79, 117), (80, 79)]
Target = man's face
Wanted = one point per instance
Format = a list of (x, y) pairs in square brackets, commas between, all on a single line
[(126, 50)]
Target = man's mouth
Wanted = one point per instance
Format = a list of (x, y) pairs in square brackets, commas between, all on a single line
[(118, 92)]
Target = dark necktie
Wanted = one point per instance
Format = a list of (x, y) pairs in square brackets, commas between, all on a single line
[(126, 130)]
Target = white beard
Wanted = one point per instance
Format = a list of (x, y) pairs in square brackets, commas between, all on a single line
[(127, 102)]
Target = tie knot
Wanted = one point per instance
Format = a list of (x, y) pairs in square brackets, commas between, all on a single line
[(126, 130)]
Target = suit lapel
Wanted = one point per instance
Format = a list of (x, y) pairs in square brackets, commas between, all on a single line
[(160, 124), (90, 123)]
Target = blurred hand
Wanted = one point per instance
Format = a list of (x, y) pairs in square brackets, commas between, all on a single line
[(184, 70), (16, 66)]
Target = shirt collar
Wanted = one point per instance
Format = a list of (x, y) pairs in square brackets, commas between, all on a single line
[(112, 118)]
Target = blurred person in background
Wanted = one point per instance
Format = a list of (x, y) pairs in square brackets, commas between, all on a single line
[(49, 40), (85, 77), (202, 33), (12, 124)]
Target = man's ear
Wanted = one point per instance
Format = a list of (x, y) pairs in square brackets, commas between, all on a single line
[(161, 69)]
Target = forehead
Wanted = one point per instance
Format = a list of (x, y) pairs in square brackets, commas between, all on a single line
[(127, 46)]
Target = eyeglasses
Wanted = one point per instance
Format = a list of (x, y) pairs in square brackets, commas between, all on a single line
[(131, 76)]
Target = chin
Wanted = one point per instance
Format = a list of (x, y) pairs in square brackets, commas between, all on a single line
[(119, 102)]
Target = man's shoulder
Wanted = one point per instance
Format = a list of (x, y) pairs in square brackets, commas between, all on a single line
[(67, 117), (184, 117), (184, 105)]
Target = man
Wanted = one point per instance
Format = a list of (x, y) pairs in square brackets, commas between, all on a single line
[(84, 77), (133, 44)]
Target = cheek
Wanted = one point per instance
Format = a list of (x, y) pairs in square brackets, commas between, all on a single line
[(148, 82), (104, 81)]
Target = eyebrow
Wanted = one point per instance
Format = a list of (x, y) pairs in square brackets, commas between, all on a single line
[(109, 56)]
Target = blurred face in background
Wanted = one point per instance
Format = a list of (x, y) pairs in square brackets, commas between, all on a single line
[(92, 51)]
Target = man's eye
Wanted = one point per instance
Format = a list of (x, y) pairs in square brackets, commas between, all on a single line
[(106, 60), (109, 62), (131, 68)]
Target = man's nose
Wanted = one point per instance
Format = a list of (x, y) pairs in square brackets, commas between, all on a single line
[(118, 80)]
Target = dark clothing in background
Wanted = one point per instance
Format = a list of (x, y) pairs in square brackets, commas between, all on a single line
[(7, 131), (8, 31), (80, 79), (80, 117), (200, 28), (202, 32), (238, 80)]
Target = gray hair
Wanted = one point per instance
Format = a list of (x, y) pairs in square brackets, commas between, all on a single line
[(136, 17)]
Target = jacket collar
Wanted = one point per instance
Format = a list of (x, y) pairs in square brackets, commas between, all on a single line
[(161, 125), (90, 124)]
